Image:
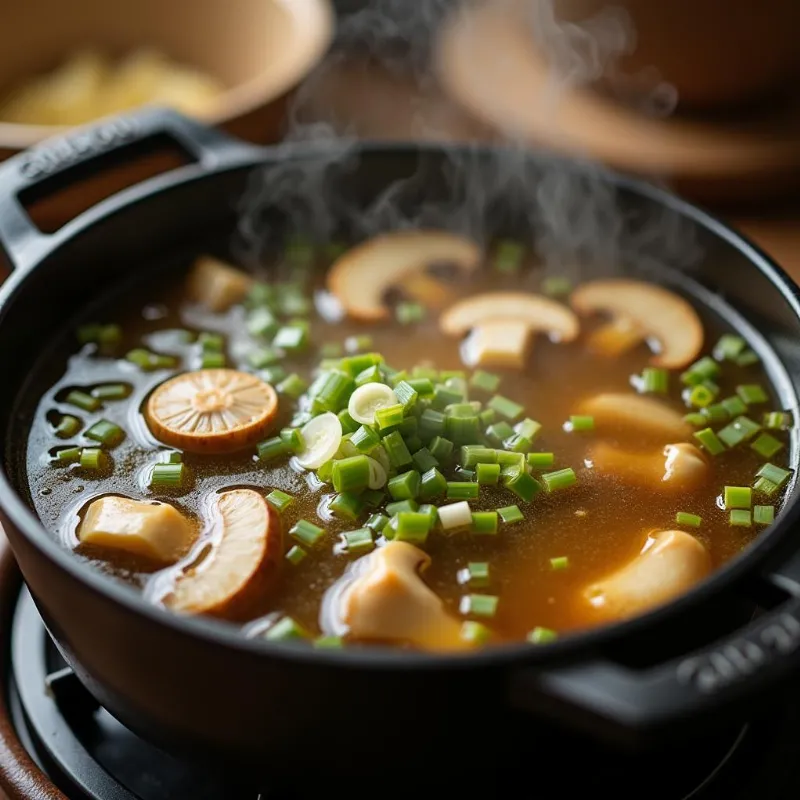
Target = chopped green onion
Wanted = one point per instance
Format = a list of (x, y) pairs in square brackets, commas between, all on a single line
[(67, 427), (68, 455), (422, 386), (729, 347), (293, 439), (560, 479), (441, 449), (690, 378), (706, 368), (82, 400), (331, 350), (168, 475), (393, 509), (488, 474), (508, 256), (777, 420), (358, 344), (396, 450), (474, 633), (373, 498), (523, 485), (94, 458), (455, 515), (475, 575), (406, 394), (510, 514), (463, 430), (279, 500), (212, 360), (171, 457), (353, 365), (740, 518), (404, 486), (690, 520), (274, 374), (444, 397), (424, 460), (485, 381), (306, 533), (738, 497), (479, 605), (329, 643), (99, 334), (262, 357), (293, 386), (556, 286), (767, 445), (710, 441), (271, 449), (349, 425), (580, 423), (358, 541), (734, 406), (752, 393), (291, 338), (467, 475), (528, 428), (654, 380), (741, 429), (747, 358), (409, 313), (431, 424), (715, 413), (389, 417), (377, 522), (284, 630), (505, 407), (540, 460), (365, 439), (484, 522), (296, 554), (412, 527), (499, 432), (432, 484), (351, 474), (774, 474), (542, 636), (347, 505), (471, 455), (111, 391), (487, 416), (700, 396), (697, 419), (559, 563), (105, 432), (430, 511), (461, 490), (763, 515), (211, 342), (331, 391)]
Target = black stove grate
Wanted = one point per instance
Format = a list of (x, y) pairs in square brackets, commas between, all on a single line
[(91, 756)]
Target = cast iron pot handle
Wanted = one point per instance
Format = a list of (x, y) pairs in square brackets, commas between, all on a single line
[(714, 682), (24, 243)]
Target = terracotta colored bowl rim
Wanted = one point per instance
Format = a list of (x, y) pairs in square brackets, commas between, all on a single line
[(314, 25)]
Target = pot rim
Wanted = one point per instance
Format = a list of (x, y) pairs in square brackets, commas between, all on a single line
[(225, 634)]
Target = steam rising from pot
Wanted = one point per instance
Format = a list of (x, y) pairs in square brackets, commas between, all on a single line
[(576, 220)]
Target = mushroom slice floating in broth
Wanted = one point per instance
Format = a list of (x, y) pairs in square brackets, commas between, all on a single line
[(501, 326), (240, 563), (217, 285), (641, 312), (361, 277)]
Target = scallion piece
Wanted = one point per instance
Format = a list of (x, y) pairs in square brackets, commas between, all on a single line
[(171, 457), (499, 432), (107, 433), (474, 633), (763, 515), (529, 429), (431, 424), (706, 368), (295, 555), (373, 498), (422, 386), (542, 636), (306, 533), (412, 527), (329, 643), (396, 450), (484, 522), (505, 407), (112, 391), (710, 441), (488, 474), (462, 430), (279, 500), (424, 460), (508, 256), (715, 413), (293, 386), (476, 454), (654, 380), (560, 479), (349, 425), (541, 460), (274, 374), (389, 417), (262, 357), (455, 515), (738, 431), (441, 449), (271, 449), (752, 394), (377, 522), (331, 391), (747, 358), (432, 484), (690, 520), (82, 400), (740, 518), (737, 497), (462, 490), (734, 406), (68, 426), (358, 541), (701, 396), (211, 342), (773, 473), (406, 394), (409, 313), (351, 474), (479, 605), (767, 445), (559, 563), (68, 455), (778, 420), (358, 344), (556, 286), (404, 486), (485, 381), (94, 458), (291, 339), (393, 509), (165, 475), (286, 630), (580, 423), (729, 347), (212, 360), (365, 439), (696, 419), (347, 505), (510, 514), (475, 575), (331, 350), (523, 485), (353, 365), (444, 397)]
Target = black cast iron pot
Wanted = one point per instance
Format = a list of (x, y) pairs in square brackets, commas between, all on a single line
[(199, 687)]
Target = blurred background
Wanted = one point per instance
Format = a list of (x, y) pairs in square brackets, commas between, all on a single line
[(697, 95)]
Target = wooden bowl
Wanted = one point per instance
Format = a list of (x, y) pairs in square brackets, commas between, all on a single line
[(259, 49)]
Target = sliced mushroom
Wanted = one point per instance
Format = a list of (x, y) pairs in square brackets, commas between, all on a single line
[(157, 531), (676, 467), (361, 277), (217, 285), (241, 563), (502, 325), (212, 410), (633, 417), (641, 312), (669, 564), (388, 601)]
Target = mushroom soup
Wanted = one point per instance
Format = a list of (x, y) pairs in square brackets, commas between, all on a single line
[(384, 450)]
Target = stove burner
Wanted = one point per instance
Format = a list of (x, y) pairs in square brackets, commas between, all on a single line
[(91, 756)]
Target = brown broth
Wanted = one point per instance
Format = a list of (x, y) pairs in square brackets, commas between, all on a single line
[(599, 524)]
